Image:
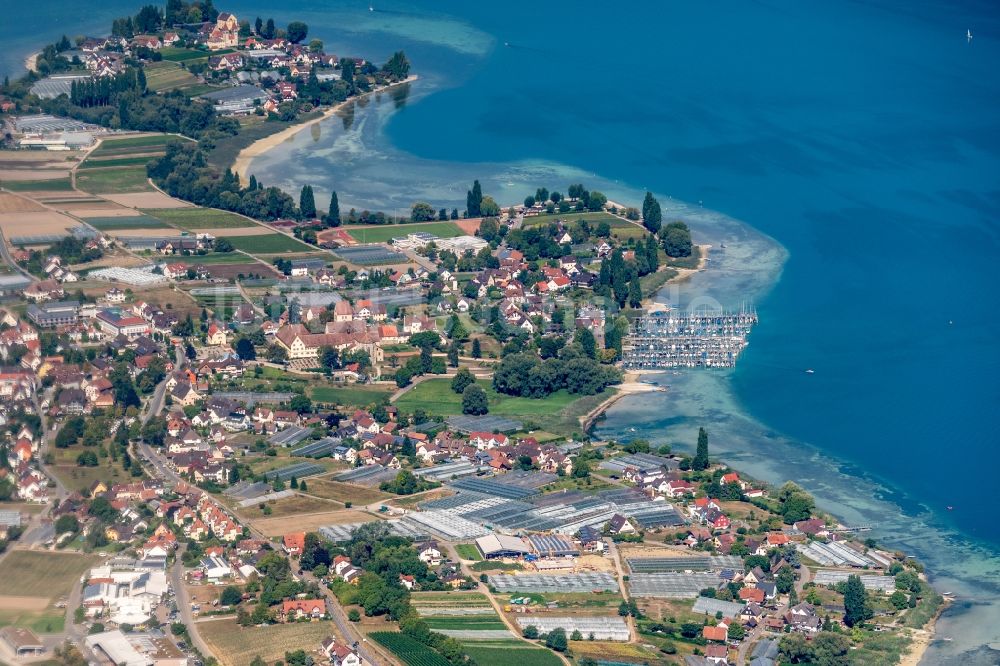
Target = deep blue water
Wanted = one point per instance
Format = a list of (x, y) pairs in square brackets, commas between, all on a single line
[(864, 137)]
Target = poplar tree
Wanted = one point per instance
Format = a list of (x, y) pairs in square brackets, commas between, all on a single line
[(634, 293), (700, 461), (333, 215), (474, 200), (307, 202), (652, 216)]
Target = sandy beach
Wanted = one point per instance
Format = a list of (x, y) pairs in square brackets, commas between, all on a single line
[(241, 164), (31, 61)]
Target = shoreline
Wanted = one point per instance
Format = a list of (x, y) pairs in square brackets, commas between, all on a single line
[(261, 146), (31, 61)]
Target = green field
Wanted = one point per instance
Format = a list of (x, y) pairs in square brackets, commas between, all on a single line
[(41, 622), (167, 75), (502, 653), (572, 216), (468, 551), (358, 396), (467, 622), (409, 651), (53, 185), (129, 222), (215, 258), (176, 54), (135, 144), (116, 162), (436, 397), (386, 232), (268, 244), (200, 218), (42, 574), (114, 181), (496, 565)]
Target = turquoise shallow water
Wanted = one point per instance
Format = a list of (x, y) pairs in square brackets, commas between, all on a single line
[(859, 141)]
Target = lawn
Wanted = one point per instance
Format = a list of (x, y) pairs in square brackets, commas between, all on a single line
[(129, 222), (468, 551), (114, 181), (386, 232), (496, 565), (409, 651), (233, 645), (201, 218), (268, 244), (215, 258), (41, 622), (502, 653), (52, 185), (572, 216), (607, 651), (436, 397), (355, 395), (290, 506), (42, 574), (179, 54)]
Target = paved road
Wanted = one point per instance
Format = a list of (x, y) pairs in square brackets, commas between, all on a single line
[(347, 630), (184, 603)]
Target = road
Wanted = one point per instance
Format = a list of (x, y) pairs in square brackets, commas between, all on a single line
[(184, 603), (347, 630)]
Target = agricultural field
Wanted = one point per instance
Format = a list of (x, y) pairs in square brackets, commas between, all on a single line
[(121, 180), (42, 574), (409, 651), (615, 652), (467, 623), (141, 160), (167, 75), (268, 244), (122, 222), (503, 653), (291, 506), (47, 621), (386, 232), (152, 143), (345, 492), (468, 551), (436, 397), (200, 218), (237, 646), (47, 185)]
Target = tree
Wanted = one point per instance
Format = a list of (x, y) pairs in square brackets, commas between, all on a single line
[(830, 649), (488, 207), (474, 400), (796, 504), (301, 404), (652, 216), (477, 350), (856, 606), (316, 45), (269, 29), (66, 523), (785, 580), (332, 218), (556, 640), (700, 460), (296, 32), (245, 349), (329, 357), (530, 632), (634, 292), (307, 202), (462, 379), (421, 212), (353, 615), (676, 239), (397, 67), (474, 200), (899, 600), (230, 596)]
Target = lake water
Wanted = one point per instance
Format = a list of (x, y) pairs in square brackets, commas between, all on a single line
[(847, 154)]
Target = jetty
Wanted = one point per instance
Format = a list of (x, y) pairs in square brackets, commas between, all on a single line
[(695, 339)]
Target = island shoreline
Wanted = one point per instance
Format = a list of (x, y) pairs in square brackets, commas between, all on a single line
[(241, 165)]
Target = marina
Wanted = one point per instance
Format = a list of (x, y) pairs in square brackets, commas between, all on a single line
[(700, 339)]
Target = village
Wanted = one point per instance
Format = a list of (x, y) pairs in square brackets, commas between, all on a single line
[(239, 429)]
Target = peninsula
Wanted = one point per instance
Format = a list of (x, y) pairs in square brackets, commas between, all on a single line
[(241, 428)]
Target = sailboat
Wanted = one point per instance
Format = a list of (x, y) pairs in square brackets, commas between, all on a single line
[(810, 371), (371, 7), (968, 35)]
